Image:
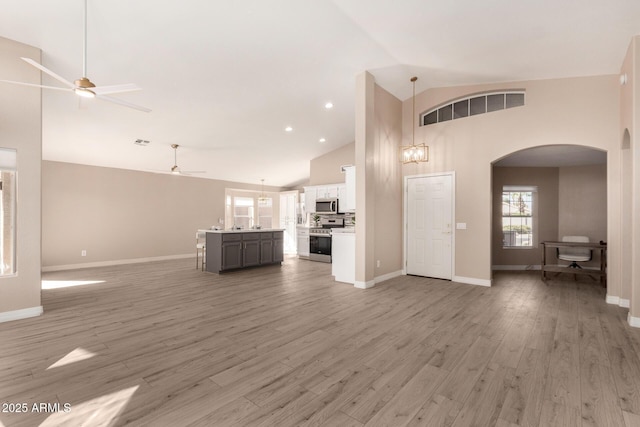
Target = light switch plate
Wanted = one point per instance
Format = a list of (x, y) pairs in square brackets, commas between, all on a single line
[(461, 225)]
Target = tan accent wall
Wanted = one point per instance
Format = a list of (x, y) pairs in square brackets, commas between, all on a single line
[(387, 188), (581, 111), (632, 114), (326, 168), (378, 182), (583, 202), (21, 129), (546, 216), (626, 172), (117, 214)]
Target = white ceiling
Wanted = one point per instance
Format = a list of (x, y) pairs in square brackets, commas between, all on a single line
[(224, 78)]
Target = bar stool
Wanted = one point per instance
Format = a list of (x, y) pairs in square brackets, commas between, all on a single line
[(201, 246)]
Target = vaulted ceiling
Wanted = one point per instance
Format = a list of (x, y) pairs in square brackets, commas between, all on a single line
[(224, 78)]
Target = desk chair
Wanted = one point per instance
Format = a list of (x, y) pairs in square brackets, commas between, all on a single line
[(201, 246), (575, 255)]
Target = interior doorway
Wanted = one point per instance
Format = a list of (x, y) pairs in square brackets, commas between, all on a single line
[(568, 184)]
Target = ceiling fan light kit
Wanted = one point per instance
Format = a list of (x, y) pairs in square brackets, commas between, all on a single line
[(83, 86)]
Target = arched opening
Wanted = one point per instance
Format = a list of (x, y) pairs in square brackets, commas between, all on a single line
[(542, 194)]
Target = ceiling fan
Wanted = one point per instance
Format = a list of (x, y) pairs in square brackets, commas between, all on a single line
[(175, 170), (83, 86)]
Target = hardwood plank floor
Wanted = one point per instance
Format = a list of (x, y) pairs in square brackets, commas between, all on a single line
[(161, 344)]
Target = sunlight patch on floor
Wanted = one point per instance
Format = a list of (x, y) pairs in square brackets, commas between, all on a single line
[(56, 284), (101, 411), (76, 355)]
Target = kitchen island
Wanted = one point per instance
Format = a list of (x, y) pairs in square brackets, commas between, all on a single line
[(235, 249)]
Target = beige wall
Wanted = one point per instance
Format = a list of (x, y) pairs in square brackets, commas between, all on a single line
[(545, 205), (20, 129), (378, 183), (583, 202), (626, 173), (581, 111), (387, 189), (630, 117), (117, 214), (326, 168)]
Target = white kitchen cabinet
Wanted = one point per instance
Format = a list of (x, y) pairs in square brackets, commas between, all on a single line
[(348, 202), (310, 199), (302, 234)]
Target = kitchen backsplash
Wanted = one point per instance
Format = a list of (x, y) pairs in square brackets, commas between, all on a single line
[(348, 218)]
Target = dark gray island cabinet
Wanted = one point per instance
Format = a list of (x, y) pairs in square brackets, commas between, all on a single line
[(231, 249)]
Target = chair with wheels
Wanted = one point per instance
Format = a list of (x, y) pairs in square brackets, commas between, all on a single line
[(575, 255)]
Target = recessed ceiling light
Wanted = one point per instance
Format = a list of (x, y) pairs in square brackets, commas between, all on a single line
[(323, 140), (328, 105), (141, 142), (288, 129)]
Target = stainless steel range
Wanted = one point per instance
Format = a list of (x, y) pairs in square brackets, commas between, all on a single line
[(320, 239)]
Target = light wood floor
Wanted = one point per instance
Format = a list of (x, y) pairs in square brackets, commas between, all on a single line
[(163, 344)]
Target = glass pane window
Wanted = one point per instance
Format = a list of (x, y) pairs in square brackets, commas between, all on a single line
[(8, 172), (265, 212), (243, 211), (517, 218)]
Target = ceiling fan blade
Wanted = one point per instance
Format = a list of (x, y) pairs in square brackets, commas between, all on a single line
[(104, 90), (48, 71), (123, 103), (35, 85)]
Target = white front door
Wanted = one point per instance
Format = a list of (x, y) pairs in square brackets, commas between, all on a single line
[(429, 226)]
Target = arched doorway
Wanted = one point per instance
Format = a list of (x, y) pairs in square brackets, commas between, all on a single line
[(552, 191)]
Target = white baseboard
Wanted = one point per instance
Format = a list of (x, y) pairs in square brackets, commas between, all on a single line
[(378, 279), (620, 302), (471, 281), (388, 276), (24, 313), (516, 267), (364, 285), (634, 322), (114, 262)]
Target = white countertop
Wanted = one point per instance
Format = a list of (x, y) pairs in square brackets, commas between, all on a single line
[(249, 230)]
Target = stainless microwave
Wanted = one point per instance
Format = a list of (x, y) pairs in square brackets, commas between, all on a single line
[(327, 206)]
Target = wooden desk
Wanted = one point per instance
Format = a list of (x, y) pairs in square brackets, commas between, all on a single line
[(602, 273)]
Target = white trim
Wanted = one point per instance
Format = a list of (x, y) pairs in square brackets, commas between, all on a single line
[(24, 313), (364, 285), (620, 302), (114, 262), (471, 281), (516, 267), (405, 219), (634, 322), (387, 276)]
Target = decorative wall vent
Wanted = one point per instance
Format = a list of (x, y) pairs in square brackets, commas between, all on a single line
[(472, 106)]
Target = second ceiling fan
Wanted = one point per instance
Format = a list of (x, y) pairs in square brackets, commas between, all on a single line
[(175, 170), (83, 86)]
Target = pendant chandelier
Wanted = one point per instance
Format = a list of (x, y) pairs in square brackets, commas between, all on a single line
[(414, 153), (262, 200)]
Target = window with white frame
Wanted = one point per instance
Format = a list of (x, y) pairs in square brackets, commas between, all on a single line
[(8, 173), (243, 211), (265, 212), (518, 216)]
